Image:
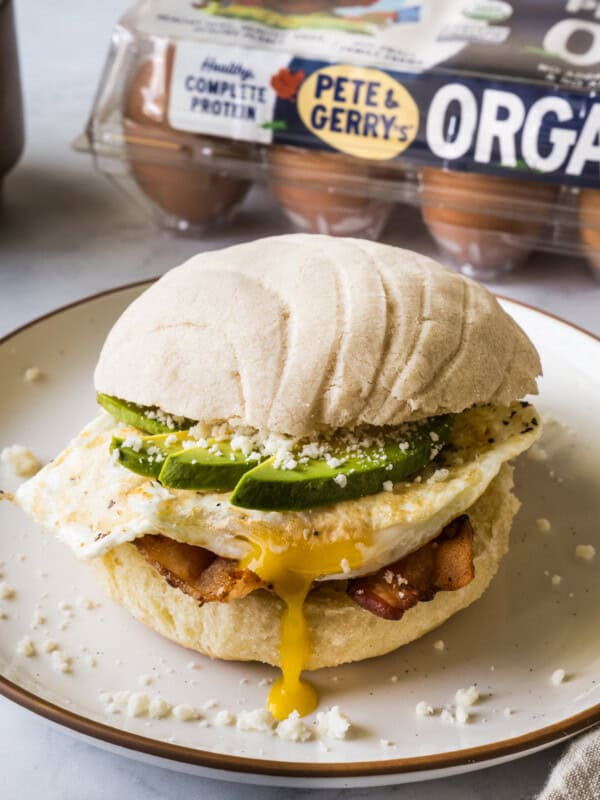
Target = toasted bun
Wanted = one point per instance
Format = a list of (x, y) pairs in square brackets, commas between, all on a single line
[(301, 333), (248, 629)]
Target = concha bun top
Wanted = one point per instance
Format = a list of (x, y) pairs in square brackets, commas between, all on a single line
[(304, 333)]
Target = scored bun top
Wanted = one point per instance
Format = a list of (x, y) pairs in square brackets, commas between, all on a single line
[(305, 333)]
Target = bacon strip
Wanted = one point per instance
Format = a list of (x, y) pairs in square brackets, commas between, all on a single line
[(443, 565), (196, 571)]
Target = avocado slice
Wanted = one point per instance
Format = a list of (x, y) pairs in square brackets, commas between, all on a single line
[(149, 458), (132, 414), (215, 468), (315, 483)]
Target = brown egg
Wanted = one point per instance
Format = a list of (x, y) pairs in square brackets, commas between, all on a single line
[(321, 192), (162, 159), (487, 225), (589, 219)]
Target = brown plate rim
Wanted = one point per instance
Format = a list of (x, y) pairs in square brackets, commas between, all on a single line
[(551, 734)]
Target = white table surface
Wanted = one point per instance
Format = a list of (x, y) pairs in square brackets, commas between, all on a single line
[(66, 233)]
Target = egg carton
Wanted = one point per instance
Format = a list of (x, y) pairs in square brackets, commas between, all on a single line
[(482, 114)]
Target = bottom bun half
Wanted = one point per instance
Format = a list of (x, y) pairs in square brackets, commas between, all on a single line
[(341, 631)]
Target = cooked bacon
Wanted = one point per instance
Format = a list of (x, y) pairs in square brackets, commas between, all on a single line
[(196, 571), (443, 565)]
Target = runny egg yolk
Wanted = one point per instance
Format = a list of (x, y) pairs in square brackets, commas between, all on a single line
[(291, 572)]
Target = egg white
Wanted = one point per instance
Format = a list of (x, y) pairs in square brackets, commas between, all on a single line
[(93, 503)]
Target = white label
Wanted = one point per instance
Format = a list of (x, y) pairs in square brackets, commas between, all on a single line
[(224, 91)]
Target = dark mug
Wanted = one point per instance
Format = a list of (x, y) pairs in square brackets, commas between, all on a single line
[(11, 106)]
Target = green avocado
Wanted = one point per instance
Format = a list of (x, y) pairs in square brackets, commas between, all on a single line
[(132, 414), (149, 458), (217, 468), (316, 483)]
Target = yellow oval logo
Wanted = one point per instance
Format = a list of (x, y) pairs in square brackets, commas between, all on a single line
[(359, 110)]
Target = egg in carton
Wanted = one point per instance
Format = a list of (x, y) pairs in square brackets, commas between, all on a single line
[(166, 163), (589, 226), (486, 224), (324, 192)]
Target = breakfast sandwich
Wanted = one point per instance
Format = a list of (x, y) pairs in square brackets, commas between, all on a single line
[(301, 456)]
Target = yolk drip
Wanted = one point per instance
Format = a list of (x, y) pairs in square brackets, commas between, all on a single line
[(291, 572)]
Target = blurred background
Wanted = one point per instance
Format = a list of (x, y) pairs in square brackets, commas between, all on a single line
[(67, 232)]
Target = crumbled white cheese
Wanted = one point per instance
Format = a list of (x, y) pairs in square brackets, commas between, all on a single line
[(60, 662), (462, 715), (37, 619), (26, 647), (467, 697), (133, 442), (543, 524), (20, 460), (283, 460), (438, 476), (65, 607), (86, 603), (293, 729), (158, 707), (145, 680), (224, 717), (439, 645), (556, 580), (388, 486), (259, 719), (138, 704), (345, 565), (341, 480), (537, 453), (557, 677), (447, 715), (185, 712), (585, 551), (6, 591), (49, 646), (332, 724), (210, 704), (423, 709), (32, 374)]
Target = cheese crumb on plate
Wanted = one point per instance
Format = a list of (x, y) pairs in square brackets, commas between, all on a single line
[(259, 719), (293, 729), (20, 460), (333, 724), (585, 551), (26, 647)]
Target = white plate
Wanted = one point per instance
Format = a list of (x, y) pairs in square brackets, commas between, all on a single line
[(508, 643)]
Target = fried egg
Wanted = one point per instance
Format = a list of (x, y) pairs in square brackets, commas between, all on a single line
[(93, 503)]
